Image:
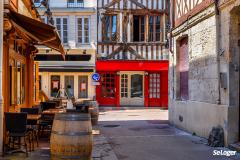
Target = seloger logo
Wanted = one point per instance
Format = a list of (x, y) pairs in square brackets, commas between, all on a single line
[(224, 153)]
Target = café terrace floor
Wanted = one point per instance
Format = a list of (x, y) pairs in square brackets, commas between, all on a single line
[(137, 134)]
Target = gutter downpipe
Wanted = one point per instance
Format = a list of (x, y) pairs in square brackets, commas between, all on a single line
[(218, 30)]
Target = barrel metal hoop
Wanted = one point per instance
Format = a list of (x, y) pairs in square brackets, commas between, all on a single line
[(72, 133), (69, 157), (71, 119)]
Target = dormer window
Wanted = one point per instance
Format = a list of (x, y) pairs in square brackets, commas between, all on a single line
[(75, 3)]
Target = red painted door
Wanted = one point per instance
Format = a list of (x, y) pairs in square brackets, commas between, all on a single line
[(154, 90), (106, 92), (158, 89)]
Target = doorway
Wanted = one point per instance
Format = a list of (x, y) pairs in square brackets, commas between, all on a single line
[(132, 88), (55, 85), (83, 87), (69, 86)]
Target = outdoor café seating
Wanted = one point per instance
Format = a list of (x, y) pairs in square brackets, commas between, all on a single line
[(16, 127), (32, 123), (47, 105)]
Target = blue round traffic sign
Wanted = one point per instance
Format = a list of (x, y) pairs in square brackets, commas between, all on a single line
[(96, 77)]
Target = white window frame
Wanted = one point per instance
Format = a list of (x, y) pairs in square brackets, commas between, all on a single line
[(61, 17), (83, 31), (76, 2)]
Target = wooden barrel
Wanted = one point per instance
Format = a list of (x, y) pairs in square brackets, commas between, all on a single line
[(93, 110), (71, 136)]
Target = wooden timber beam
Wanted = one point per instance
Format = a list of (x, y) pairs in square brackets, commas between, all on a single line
[(111, 4), (138, 4), (133, 43), (115, 52), (132, 51), (136, 11)]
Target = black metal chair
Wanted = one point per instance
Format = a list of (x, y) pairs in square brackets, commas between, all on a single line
[(47, 105), (45, 124), (33, 124), (30, 110), (16, 127)]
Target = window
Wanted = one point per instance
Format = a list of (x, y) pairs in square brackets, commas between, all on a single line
[(154, 28), (62, 27), (158, 28), (83, 25), (154, 85), (124, 85), (137, 86), (183, 67), (20, 83), (75, 3), (110, 28), (138, 28), (17, 82), (108, 85), (40, 82)]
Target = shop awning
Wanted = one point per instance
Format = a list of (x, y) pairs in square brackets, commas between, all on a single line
[(40, 32), (131, 65)]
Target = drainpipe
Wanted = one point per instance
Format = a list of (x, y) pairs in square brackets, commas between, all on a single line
[(218, 31), (1, 78), (171, 42)]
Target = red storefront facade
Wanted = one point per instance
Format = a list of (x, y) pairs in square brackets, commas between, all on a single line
[(133, 83)]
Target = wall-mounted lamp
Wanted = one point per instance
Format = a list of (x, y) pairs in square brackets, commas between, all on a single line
[(146, 73), (42, 3)]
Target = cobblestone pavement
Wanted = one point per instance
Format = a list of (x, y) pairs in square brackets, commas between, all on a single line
[(144, 134), (139, 134)]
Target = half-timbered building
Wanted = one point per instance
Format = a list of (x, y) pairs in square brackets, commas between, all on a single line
[(204, 66), (132, 53)]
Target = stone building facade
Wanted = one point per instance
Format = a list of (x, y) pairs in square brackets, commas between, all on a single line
[(76, 22), (204, 68)]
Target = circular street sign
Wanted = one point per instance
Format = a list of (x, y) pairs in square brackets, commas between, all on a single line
[(96, 77)]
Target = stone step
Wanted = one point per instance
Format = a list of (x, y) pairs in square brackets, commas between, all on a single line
[(103, 108)]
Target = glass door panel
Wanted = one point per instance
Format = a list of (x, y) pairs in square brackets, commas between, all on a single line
[(137, 86), (69, 86), (55, 86), (83, 87)]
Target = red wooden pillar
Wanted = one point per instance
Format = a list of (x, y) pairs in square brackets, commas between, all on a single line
[(164, 89), (146, 90), (117, 84)]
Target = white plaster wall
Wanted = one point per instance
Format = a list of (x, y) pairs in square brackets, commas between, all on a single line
[(58, 3), (90, 3)]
